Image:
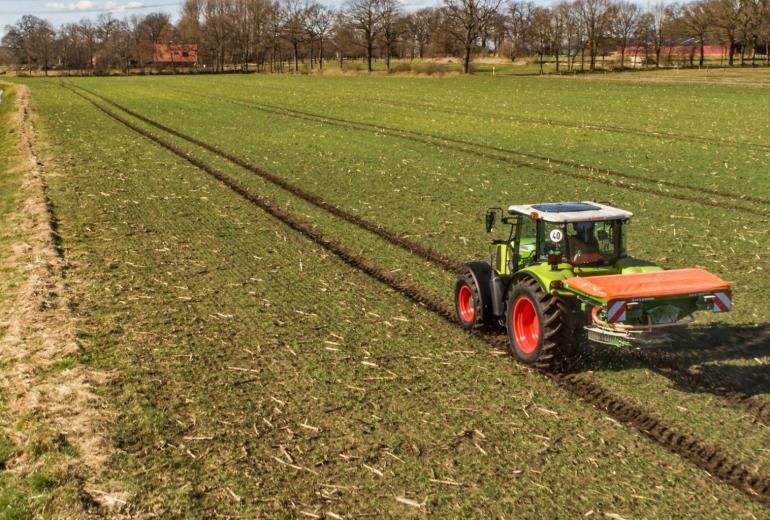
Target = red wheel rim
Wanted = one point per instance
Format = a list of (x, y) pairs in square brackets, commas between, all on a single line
[(526, 325), (465, 304)]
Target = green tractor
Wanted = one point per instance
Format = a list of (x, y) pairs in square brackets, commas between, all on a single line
[(563, 274)]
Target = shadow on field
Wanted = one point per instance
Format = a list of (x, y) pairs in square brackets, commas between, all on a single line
[(715, 359)]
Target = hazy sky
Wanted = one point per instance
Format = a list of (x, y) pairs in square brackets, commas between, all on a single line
[(62, 11)]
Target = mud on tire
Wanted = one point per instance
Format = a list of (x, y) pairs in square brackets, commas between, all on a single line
[(541, 327)]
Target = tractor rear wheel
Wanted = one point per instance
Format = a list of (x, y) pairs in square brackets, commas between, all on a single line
[(540, 329), (468, 302)]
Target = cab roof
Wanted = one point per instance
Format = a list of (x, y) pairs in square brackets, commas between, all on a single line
[(565, 212)]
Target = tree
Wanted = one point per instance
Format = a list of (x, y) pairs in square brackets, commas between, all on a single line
[(189, 25), (595, 16), (216, 30), (520, 26), (569, 29), (558, 21), (294, 26), (343, 36), (659, 17), (32, 42), (541, 33), (320, 23), (390, 26), (726, 15), (468, 19), (420, 25), (625, 22), (365, 15), (697, 17)]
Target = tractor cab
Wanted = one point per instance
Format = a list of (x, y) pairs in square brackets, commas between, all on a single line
[(579, 234)]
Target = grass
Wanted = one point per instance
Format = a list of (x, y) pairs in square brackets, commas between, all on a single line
[(34, 475), (254, 374), (10, 184), (383, 176)]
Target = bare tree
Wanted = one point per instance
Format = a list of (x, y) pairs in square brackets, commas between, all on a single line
[(625, 22), (596, 18), (216, 29), (468, 19), (343, 36), (32, 40), (294, 26), (520, 26), (421, 24), (320, 22), (365, 15), (656, 22), (558, 26), (541, 34), (697, 18), (726, 17), (569, 30), (390, 26), (189, 25)]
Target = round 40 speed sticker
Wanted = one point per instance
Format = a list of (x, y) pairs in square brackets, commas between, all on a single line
[(556, 235)]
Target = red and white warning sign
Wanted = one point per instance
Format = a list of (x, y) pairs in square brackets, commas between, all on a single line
[(616, 311), (722, 302)]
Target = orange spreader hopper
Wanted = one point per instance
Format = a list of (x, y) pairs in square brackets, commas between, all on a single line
[(677, 282)]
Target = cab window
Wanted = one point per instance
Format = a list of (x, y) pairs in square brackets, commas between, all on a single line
[(594, 242)]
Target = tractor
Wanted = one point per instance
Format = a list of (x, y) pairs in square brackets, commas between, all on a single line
[(562, 274)]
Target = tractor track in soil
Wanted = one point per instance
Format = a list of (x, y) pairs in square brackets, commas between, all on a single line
[(708, 458), (667, 366), (658, 363), (404, 243), (584, 126), (595, 174)]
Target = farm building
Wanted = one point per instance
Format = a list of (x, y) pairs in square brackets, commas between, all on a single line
[(684, 47), (175, 54)]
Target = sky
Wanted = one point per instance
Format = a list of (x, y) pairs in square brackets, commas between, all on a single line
[(63, 11)]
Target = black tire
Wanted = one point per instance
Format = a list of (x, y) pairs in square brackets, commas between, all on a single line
[(469, 314), (555, 330)]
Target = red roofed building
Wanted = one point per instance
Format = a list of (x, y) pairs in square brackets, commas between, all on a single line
[(681, 48), (176, 53)]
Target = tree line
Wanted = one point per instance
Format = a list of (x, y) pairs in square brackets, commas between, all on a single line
[(298, 35)]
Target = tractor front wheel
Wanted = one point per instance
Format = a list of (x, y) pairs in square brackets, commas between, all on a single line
[(539, 328), (468, 303)]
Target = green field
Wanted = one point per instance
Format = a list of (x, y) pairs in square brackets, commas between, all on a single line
[(253, 372)]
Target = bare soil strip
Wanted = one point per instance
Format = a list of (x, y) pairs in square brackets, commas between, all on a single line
[(545, 163), (709, 458), (39, 335), (658, 362)]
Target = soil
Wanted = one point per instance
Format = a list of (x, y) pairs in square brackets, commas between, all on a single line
[(44, 379)]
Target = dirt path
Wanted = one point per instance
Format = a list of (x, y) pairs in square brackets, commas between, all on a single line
[(45, 384)]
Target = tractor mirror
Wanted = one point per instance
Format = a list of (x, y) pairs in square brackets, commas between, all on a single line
[(554, 259), (490, 220)]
